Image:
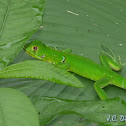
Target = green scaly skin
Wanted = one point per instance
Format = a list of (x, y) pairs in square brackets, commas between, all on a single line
[(79, 65)]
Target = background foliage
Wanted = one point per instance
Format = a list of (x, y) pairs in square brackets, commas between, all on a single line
[(83, 26)]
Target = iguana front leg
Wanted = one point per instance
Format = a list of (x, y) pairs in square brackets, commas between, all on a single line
[(63, 65), (98, 85)]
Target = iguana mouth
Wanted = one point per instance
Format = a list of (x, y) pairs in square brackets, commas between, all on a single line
[(27, 51)]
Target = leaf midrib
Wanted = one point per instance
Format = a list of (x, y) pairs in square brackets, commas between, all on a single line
[(2, 114), (5, 19)]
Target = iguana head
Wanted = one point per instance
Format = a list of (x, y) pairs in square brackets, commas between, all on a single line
[(36, 49), (40, 51)]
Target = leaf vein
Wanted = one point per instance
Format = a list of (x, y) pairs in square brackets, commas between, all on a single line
[(5, 19)]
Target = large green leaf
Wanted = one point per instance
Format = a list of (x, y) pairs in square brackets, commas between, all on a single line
[(18, 21), (40, 70), (105, 112), (16, 109)]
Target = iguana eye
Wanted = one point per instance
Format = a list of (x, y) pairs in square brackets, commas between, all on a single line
[(35, 48)]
